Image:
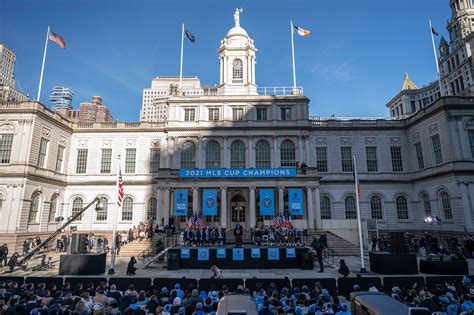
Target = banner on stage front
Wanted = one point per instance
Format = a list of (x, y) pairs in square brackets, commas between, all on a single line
[(237, 253), (209, 202), (180, 202), (203, 253), (290, 252), (221, 253), (255, 253), (267, 202), (295, 198), (185, 252), (273, 253)]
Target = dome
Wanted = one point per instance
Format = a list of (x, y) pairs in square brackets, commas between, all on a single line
[(237, 30)]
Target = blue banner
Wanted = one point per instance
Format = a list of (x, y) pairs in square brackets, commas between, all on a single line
[(221, 253), (180, 202), (185, 252), (237, 173), (203, 253), (267, 202), (255, 252), (237, 253), (209, 202), (295, 201), (273, 253), (290, 252)]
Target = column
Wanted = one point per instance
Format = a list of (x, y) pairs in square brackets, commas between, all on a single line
[(275, 160), (309, 198), (250, 150), (224, 207), (469, 209), (200, 163), (307, 151), (167, 156), (281, 200), (253, 216), (159, 206), (226, 154), (452, 124), (300, 150), (253, 69), (195, 200), (462, 140), (317, 213), (166, 204)]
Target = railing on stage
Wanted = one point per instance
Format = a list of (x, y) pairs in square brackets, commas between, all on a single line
[(154, 251)]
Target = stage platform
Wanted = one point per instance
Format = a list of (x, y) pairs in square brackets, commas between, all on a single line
[(246, 257), (444, 267), (393, 264)]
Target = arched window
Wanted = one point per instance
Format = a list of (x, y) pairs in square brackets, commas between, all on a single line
[(325, 205), (213, 155), (151, 208), (127, 209), (101, 215), (34, 207), (446, 205), (376, 207), (425, 200), (53, 207), (237, 69), (350, 206), (402, 208), (188, 155), (262, 155), (77, 205), (237, 154), (287, 154)]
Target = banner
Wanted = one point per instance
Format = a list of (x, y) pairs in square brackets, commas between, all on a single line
[(273, 253), (185, 252), (267, 202), (203, 253), (295, 201), (237, 253), (209, 202), (180, 202), (237, 173), (221, 253), (255, 253), (290, 252)]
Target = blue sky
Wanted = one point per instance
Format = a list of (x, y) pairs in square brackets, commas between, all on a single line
[(351, 65)]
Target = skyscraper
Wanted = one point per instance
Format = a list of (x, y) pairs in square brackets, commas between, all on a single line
[(8, 90), (61, 98)]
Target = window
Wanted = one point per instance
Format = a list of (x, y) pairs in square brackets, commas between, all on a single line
[(127, 209), (396, 154), (325, 205), (437, 149), (402, 208), (42, 152), (371, 153), (262, 154), (101, 215), (346, 159), (154, 160), (214, 114), (106, 161), (322, 159), (188, 155), (419, 155), (60, 159), (189, 114), (77, 205), (261, 114), (425, 200), (350, 207), (151, 209), (471, 141), (237, 113), (81, 163), (6, 142), (287, 154), (237, 154), (213, 155), (1, 201), (376, 207), (446, 205), (285, 113), (237, 71), (34, 207), (130, 160), (52, 208)]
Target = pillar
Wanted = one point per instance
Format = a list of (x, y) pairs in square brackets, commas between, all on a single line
[(468, 210), (463, 141), (159, 206), (167, 155), (253, 216), (226, 163), (275, 160), (307, 151), (281, 200), (251, 158), (166, 204), (195, 200), (200, 163), (224, 207), (317, 212), (300, 150), (309, 198)]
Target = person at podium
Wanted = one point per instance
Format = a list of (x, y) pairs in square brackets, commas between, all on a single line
[(238, 235)]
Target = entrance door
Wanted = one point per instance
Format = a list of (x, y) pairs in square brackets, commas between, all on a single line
[(238, 207)]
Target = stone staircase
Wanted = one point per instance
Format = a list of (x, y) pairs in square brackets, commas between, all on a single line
[(135, 247), (341, 246)]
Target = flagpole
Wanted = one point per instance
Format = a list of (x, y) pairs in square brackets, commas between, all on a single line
[(359, 222), (42, 66), (293, 53), (436, 60), (114, 222), (181, 65)]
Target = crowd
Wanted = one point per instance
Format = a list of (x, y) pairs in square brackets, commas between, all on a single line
[(270, 235), (203, 236)]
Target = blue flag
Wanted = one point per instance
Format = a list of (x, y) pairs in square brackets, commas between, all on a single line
[(203, 253), (209, 202), (237, 253), (273, 253), (255, 252), (185, 252), (267, 202), (180, 202), (295, 198), (290, 252)]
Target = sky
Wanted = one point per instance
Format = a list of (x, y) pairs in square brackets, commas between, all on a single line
[(351, 65)]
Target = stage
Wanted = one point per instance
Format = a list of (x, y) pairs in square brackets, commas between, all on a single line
[(444, 267), (393, 264), (247, 257)]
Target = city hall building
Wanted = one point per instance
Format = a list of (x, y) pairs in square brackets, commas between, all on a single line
[(244, 146)]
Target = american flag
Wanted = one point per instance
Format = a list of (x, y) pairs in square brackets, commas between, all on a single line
[(278, 221), (120, 188), (57, 39), (191, 221), (199, 222)]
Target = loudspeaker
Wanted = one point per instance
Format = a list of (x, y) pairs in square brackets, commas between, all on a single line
[(78, 243), (173, 260), (398, 243)]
